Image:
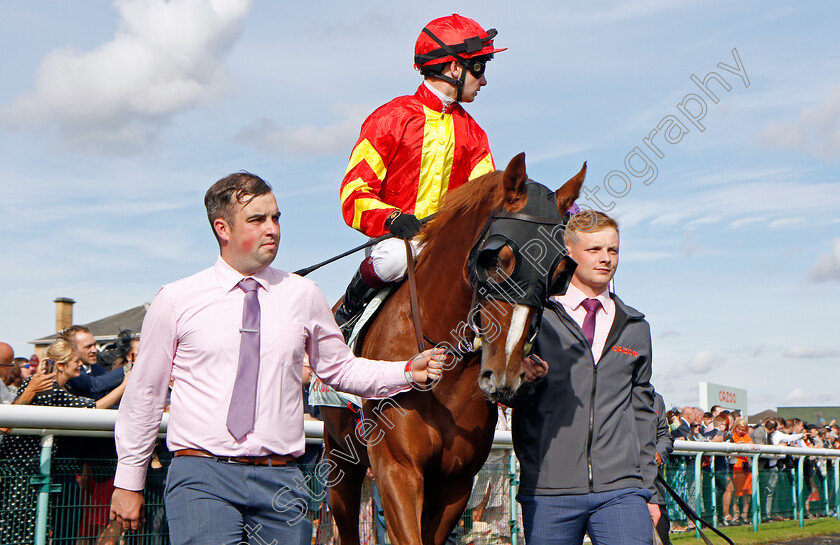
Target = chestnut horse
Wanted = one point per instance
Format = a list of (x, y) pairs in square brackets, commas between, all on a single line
[(425, 447)]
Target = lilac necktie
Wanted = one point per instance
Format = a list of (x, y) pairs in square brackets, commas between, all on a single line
[(243, 402), (591, 306)]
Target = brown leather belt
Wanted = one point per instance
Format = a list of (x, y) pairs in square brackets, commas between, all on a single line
[(268, 460)]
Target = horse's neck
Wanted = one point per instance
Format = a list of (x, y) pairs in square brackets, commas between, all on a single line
[(446, 293)]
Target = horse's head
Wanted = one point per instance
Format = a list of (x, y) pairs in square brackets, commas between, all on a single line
[(518, 262)]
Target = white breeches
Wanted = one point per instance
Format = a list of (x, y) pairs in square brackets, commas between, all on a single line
[(388, 258)]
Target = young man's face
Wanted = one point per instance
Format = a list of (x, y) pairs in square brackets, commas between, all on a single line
[(86, 346), (249, 242), (472, 86), (596, 254)]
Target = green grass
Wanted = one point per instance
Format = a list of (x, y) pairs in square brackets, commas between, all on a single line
[(771, 532)]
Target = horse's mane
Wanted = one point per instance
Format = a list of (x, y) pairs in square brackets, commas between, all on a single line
[(461, 202)]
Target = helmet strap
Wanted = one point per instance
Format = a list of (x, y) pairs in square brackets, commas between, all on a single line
[(458, 83), (461, 81)]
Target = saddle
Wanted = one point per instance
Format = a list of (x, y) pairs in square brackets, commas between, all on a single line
[(321, 394)]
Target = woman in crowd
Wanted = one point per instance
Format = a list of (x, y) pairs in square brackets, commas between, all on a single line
[(741, 483), (17, 521)]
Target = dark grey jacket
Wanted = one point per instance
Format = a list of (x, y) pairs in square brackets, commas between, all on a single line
[(577, 430)]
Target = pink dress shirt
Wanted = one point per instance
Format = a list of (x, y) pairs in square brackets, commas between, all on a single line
[(191, 335), (604, 318)]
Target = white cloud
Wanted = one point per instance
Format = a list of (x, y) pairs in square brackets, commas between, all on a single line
[(800, 396), (785, 222), (827, 266), (701, 363), (816, 132), (165, 57), (736, 203), (704, 220), (737, 224), (266, 135), (810, 353)]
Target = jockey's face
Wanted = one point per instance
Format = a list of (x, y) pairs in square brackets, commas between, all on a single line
[(471, 84), (249, 243)]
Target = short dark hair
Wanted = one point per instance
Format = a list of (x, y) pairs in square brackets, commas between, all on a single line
[(240, 188), (71, 331)]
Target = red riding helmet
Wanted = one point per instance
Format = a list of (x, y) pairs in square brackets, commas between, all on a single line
[(453, 38)]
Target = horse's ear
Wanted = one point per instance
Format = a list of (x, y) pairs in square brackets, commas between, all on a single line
[(568, 194), (513, 183)]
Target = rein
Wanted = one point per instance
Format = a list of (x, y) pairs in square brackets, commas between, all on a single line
[(412, 295), (464, 348)]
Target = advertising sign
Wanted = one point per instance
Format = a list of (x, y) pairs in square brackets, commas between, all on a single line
[(727, 397)]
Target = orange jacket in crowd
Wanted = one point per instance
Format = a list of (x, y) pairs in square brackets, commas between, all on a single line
[(409, 154), (741, 462)]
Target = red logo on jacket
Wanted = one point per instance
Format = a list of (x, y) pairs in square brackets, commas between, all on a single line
[(623, 350)]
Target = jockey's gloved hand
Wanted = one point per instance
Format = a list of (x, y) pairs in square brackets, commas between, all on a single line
[(404, 226)]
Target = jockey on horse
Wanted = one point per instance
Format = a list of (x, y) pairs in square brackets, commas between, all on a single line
[(414, 149)]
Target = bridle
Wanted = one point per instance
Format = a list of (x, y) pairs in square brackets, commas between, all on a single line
[(538, 226)]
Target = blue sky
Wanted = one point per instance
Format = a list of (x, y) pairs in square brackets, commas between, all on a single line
[(116, 117)]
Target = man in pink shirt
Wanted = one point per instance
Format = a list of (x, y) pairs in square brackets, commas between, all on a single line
[(232, 339)]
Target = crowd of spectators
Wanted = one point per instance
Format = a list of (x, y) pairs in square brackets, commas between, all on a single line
[(73, 373), (727, 480)]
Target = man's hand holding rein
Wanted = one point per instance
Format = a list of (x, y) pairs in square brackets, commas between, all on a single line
[(425, 369)]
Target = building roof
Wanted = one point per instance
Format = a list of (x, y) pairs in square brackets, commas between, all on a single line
[(759, 417), (107, 329)]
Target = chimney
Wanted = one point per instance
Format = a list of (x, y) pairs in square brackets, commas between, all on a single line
[(63, 313)]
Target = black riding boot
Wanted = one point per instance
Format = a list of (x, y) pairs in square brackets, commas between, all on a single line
[(358, 295)]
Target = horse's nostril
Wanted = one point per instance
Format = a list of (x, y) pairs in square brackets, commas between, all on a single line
[(487, 381)]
